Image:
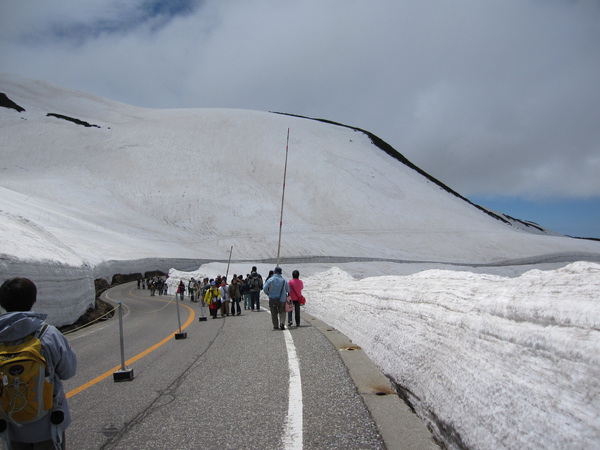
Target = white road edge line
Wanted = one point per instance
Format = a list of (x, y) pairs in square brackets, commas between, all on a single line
[(292, 435)]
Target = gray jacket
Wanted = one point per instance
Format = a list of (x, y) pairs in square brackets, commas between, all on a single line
[(59, 357)]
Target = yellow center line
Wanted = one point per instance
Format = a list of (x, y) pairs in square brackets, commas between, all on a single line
[(135, 358)]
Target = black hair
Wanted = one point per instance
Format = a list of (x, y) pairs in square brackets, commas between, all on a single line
[(295, 274), (18, 294)]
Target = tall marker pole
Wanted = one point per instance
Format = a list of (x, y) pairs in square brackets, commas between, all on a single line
[(283, 195), (229, 262)]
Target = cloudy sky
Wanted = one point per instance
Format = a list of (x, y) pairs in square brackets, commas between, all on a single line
[(500, 100)]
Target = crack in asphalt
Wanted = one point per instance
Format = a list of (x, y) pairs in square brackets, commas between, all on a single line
[(164, 397)]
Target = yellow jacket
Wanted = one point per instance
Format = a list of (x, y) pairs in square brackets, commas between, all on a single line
[(211, 294)]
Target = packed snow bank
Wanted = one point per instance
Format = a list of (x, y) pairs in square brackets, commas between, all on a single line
[(65, 282), (501, 362), (65, 292)]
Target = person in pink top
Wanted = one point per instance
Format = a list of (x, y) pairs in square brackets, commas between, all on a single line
[(296, 287)]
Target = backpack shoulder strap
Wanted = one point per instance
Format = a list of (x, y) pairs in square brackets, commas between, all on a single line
[(49, 364), (39, 333)]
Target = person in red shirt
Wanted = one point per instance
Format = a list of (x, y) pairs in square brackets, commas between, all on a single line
[(296, 287)]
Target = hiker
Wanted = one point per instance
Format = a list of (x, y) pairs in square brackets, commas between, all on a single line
[(255, 283), (245, 291), (296, 286), (193, 289), (224, 293), (277, 289), (235, 295), (212, 299), (204, 287), (181, 289), (17, 297)]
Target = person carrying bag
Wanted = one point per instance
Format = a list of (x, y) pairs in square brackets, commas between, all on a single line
[(296, 286), (277, 290)]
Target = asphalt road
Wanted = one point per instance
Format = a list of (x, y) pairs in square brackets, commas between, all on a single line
[(232, 382)]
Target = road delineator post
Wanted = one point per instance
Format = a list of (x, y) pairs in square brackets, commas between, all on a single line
[(202, 317), (123, 374), (181, 334)]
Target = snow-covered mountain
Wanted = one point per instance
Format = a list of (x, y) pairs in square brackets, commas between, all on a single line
[(491, 353), (85, 181)]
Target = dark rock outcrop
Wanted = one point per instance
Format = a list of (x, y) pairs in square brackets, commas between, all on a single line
[(8, 103)]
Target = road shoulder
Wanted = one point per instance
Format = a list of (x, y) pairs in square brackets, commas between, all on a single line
[(398, 425)]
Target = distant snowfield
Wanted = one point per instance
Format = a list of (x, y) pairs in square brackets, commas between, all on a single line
[(440, 295)]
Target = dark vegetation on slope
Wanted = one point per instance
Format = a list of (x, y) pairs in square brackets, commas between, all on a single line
[(72, 119), (8, 103), (526, 223), (377, 141), (587, 238), (101, 311)]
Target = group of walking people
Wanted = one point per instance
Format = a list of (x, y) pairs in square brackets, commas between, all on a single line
[(224, 298), (154, 284)]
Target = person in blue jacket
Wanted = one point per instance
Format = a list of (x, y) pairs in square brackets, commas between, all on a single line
[(277, 289), (17, 297)]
